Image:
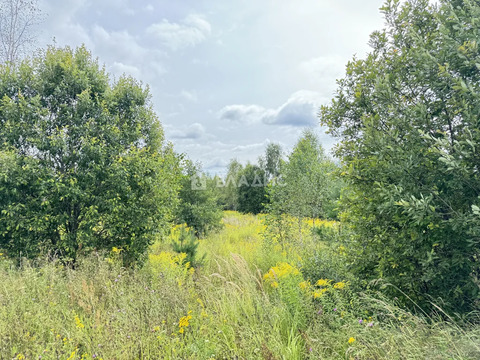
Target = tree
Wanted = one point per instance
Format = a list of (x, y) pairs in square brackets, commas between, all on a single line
[(407, 117), (17, 21), (83, 162), (270, 162), (308, 187), (198, 206), (251, 190), (228, 192)]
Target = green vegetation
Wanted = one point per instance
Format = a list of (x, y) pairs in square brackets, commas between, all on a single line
[(83, 163), (250, 300), (407, 119), (198, 207), (112, 245)]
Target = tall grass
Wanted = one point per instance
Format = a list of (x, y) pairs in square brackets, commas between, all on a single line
[(226, 308)]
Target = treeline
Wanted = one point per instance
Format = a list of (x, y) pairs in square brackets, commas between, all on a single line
[(302, 183)]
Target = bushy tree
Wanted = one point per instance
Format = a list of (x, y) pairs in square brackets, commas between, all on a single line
[(198, 207), (307, 187), (83, 163), (271, 160), (407, 117), (251, 189)]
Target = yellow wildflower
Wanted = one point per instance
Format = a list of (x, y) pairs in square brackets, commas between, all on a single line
[(322, 282), (340, 285), (304, 285), (318, 293), (351, 340), (78, 322), (72, 355), (184, 322), (274, 284), (116, 250)]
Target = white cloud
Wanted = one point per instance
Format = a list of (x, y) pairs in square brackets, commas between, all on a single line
[(299, 110), (193, 30), (119, 69), (323, 69), (193, 131), (190, 96)]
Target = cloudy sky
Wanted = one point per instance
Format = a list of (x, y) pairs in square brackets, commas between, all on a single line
[(226, 76)]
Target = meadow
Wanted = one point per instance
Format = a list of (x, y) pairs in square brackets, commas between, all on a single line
[(251, 294)]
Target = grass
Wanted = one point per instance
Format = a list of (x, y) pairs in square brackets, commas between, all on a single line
[(250, 299)]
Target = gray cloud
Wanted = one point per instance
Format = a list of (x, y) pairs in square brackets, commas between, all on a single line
[(246, 114)]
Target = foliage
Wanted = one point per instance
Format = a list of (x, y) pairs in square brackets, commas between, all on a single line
[(270, 162), (251, 189), (407, 116), (228, 193), (185, 242), (198, 206), (83, 163), (306, 187)]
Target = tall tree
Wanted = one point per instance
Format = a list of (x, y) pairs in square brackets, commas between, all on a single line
[(198, 206), (251, 189), (83, 162), (307, 187), (229, 189), (270, 161), (18, 19), (407, 117)]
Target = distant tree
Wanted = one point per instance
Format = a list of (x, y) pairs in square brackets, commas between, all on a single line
[(198, 206), (307, 184), (228, 189), (270, 161), (18, 19), (408, 117), (83, 162), (251, 189)]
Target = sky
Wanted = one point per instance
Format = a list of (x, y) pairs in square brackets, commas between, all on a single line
[(227, 77)]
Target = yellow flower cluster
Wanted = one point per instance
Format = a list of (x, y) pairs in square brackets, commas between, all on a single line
[(78, 322), (184, 322), (116, 250), (320, 287), (282, 270), (323, 282)]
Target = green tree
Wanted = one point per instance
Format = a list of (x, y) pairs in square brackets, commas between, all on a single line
[(270, 161), (83, 163), (198, 206), (228, 191), (251, 189), (307, 187), (407, 117)]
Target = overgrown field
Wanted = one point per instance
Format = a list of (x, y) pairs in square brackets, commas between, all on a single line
[(254, 295)]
